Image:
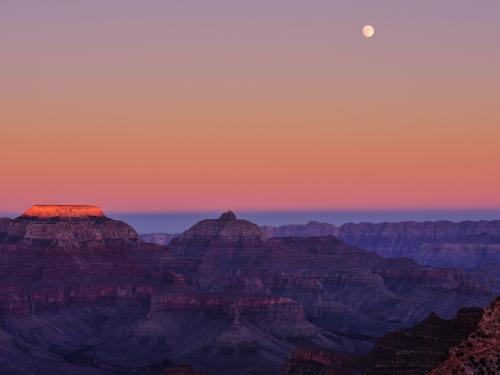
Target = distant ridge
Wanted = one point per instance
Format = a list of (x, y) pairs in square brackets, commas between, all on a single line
[(221, 297), (466, 244)]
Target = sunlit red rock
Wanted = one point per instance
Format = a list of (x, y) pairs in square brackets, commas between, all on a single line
[(63, 211), (71, 225)]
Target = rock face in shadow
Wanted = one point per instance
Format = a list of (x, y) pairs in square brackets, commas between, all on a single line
[(323, 273), (489, 275), (158, 238), (314, 361), (75, 302), (480, 352), (3, 222), (226, 227), (413, 351), (417, 350), (466, 244), (183, 369), (311, 229), (82, 295)]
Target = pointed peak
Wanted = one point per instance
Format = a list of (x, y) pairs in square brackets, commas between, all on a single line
[(227, 226), (228, 216)]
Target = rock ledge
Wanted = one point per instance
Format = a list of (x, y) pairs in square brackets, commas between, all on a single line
[(69, 211)]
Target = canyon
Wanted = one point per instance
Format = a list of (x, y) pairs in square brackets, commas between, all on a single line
[(467, 344), (467, 244), (81, 293)]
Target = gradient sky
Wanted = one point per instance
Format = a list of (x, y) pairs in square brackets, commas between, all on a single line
[(250, 105)]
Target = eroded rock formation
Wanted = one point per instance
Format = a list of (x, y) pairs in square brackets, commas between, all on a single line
[(314, 361), (183, 369), (443, 243), (158, 238), (411, 351), (480, 352), (311, 229), (466, 244), (62, 211), (66, 225), (81, 295)]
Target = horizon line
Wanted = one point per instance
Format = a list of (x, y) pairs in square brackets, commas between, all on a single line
[(291, 210)]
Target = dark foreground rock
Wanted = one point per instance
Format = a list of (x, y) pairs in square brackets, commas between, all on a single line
[(480, 352), (413, 351)]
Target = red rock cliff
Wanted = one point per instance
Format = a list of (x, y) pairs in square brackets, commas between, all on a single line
[(69, 224), (68, 211)]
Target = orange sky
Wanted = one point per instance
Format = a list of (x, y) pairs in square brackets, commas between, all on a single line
[(273, 105)]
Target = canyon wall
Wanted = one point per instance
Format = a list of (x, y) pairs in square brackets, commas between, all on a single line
[(81, 294), (466, 244)]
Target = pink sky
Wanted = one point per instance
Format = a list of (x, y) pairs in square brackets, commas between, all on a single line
[(249, 105)]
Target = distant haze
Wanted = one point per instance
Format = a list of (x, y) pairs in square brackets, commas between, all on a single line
[(174, 222), (177, 222)]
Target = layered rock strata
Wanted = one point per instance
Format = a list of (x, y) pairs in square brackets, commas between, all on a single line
[(480, 352), (412, 351), (82, 295), (68, 225), (466, 244)]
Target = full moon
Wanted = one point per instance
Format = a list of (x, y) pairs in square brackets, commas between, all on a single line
[(368, 31)]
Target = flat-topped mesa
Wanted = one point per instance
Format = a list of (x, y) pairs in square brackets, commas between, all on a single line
[(62, 211), (68, 225)]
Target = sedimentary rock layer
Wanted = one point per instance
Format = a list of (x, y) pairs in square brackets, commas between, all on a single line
[(82, 295), (68, 211), (480, 352), (466, 244), (65, 225), (412, 351)]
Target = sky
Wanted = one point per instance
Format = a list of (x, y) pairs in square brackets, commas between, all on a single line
[(154, 106)]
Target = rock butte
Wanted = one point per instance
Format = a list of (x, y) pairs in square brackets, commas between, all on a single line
[(50, 211)]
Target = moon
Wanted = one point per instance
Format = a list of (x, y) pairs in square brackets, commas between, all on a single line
[(368, 31)]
